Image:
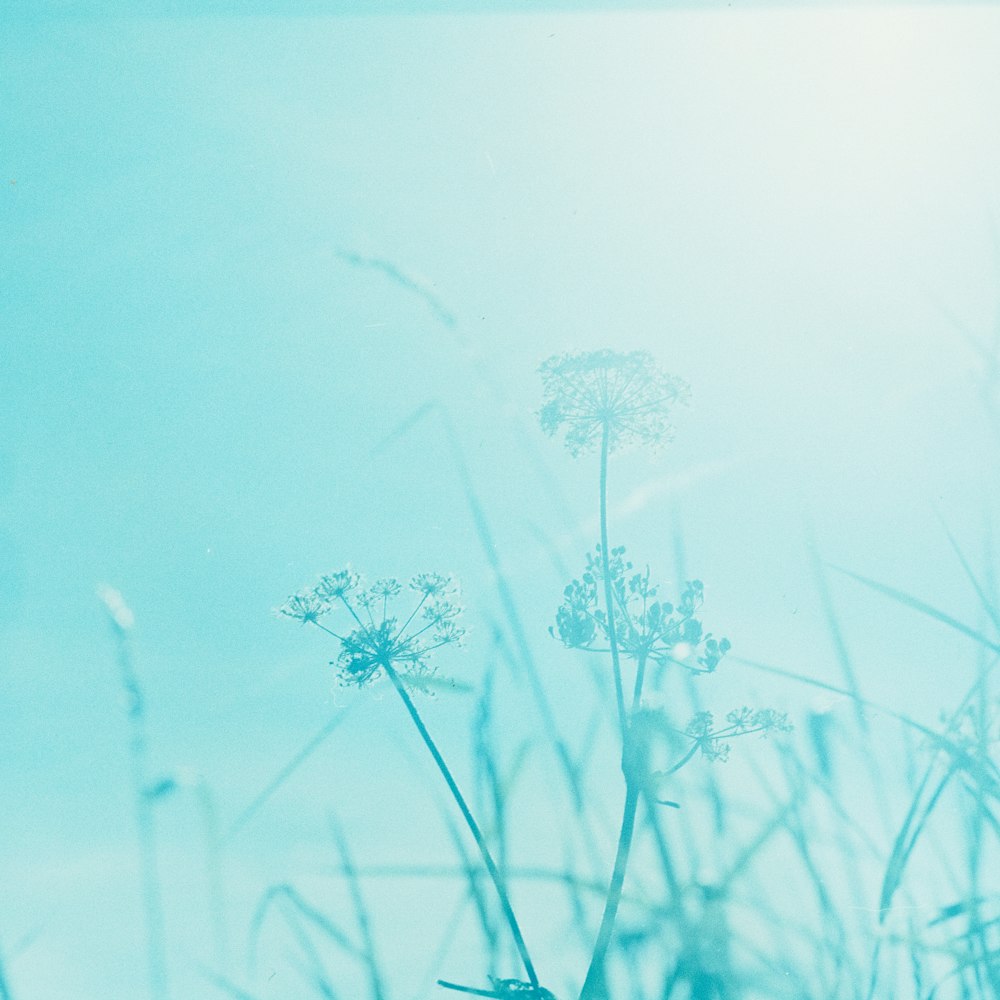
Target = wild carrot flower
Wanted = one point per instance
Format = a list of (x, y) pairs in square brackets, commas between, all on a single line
[(711, 739), (377, 637), (333, 586), (607, 400), (626, 397), (646, 627), (377, 641), (304, 608)]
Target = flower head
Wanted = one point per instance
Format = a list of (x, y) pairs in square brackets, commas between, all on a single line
[(646, 627), (333, 586), (624, 395), (304, 608), (430, 583), (377, 639), (711, 740)]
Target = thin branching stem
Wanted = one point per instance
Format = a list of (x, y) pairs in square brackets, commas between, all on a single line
[(470, 821)]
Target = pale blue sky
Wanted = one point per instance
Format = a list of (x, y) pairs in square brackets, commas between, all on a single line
[(787, 208)]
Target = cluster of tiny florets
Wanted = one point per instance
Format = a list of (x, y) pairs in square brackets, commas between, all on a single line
[(626, 396), (377, 639), (645, 627), (711, 740)]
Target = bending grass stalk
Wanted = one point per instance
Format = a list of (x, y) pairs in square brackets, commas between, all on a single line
[(221, 983), (470, 821), (475, 892), (361, 917), (5, 993), (152, 894), (524, 657), (309, 964), (283, 775), (214, 874), (295, 903)]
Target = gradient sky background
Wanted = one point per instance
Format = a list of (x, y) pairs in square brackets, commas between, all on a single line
[(796, 211)]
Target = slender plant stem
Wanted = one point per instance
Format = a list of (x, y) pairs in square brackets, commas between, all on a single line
[(608, 596), (152, 895), (470, 821), (595, 985), (640, 676)]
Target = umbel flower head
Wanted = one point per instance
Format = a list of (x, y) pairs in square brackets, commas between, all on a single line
[(645, 626), (376, 638), (624, 395), (711, 739), (701, 736)]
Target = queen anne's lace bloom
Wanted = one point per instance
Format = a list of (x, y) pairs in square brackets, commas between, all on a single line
[(430, 583), (625, 395), (711, 739), (336, 585), (376, 637), (645, 626), (306, 608)]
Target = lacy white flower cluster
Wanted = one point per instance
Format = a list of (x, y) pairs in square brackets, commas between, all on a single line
[(625, 396), (377, 638)]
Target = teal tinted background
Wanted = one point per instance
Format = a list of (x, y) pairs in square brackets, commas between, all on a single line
[(201, 359)]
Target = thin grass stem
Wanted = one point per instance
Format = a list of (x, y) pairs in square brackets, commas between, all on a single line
[(156, 952)]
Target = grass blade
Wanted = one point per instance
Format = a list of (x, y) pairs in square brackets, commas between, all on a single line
[(284, 774), (360, 913)]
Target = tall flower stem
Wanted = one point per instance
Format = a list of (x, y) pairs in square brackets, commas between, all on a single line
[(470, 821), (608, 595), (595, 985)]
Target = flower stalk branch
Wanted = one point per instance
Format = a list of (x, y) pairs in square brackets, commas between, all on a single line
[(379, 646)]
